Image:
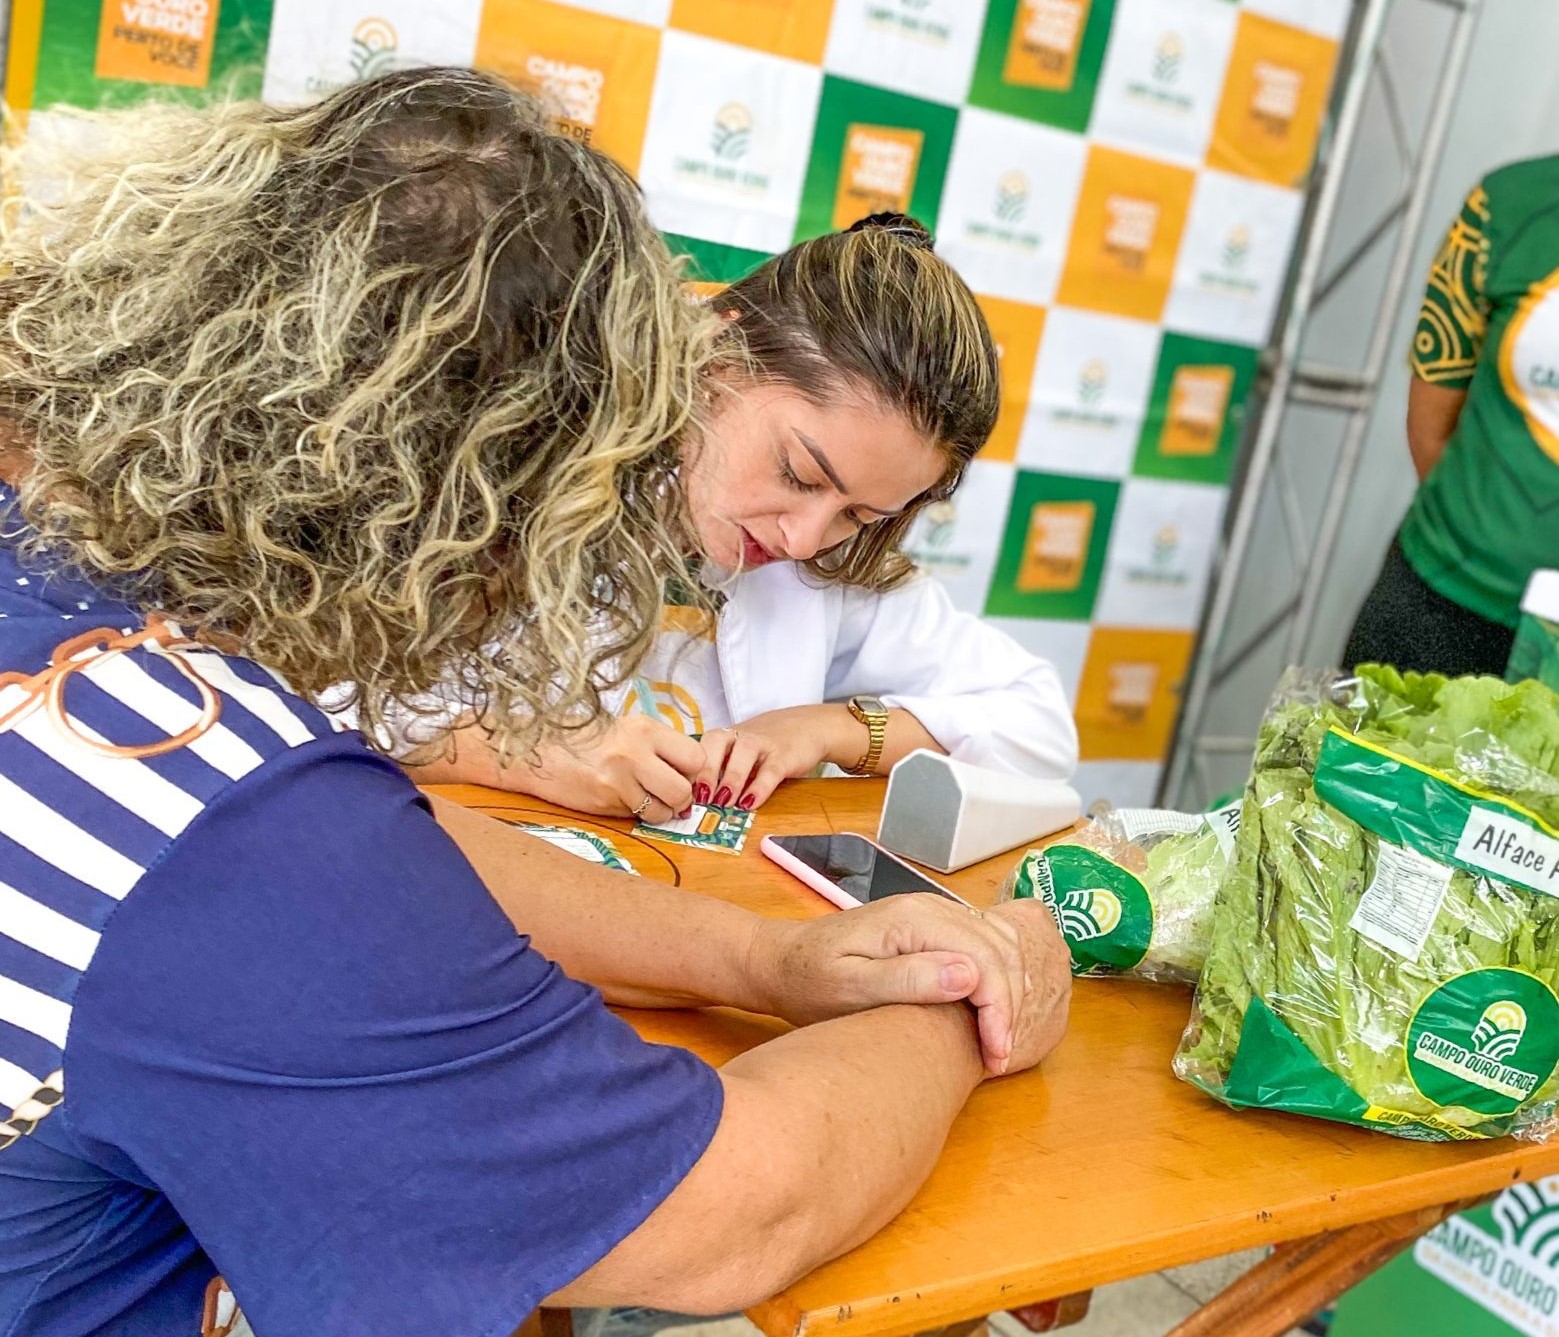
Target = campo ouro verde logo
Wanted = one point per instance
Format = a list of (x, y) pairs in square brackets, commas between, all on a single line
[(1166, 57), (732, 131), (939, 523), (1012, 196), (1092, 381), (1236, 246), (1487, 1040), (1499, 1030), (1088, 913), (374, 47), (1103, 911)]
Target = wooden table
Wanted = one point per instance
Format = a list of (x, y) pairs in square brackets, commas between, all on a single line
[(1097, 1167)]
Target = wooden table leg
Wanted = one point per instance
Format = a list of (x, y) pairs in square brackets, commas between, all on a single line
[(1050, 1315), (554, 1323), (1294, 1282)]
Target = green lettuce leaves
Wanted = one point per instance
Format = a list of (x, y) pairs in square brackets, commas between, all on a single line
[(1342, 1019)]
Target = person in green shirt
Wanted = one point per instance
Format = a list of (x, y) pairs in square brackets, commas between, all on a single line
[(1483, 428)]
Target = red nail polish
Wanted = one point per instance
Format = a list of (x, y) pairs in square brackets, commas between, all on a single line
[(723, 796), (749, 801), (700, 792), (686, 812)]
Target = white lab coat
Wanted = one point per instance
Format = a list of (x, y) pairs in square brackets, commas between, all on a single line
[(784, 640)]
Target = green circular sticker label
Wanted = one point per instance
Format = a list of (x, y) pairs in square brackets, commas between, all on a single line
[(1487, 1040), (1104, 911)]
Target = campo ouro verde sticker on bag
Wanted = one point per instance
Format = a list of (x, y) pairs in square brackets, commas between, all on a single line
[(1487, 1040), (1104, 912)]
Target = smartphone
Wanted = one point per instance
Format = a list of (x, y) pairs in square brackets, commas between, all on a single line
[(848, 869)]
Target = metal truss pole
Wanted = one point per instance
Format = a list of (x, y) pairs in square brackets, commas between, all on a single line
[(1360, 409), (5, 36), (1292, 382)]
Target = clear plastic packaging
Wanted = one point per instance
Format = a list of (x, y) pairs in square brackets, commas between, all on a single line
[(1133, 889), (1385, 946)]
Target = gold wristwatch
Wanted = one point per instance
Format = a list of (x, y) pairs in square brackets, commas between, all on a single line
[(874, 715)]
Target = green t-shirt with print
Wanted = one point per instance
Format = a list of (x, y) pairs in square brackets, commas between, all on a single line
[(1488, 514)]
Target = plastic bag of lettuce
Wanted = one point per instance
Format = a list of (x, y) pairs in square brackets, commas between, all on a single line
[(1386, 944), (1132, 890)]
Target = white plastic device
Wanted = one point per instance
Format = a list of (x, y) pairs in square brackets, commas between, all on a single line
[(948, 814)]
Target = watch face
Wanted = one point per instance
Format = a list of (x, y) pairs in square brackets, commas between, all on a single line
[(869, 705)]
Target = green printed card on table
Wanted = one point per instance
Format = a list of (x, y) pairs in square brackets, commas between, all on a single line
[(874, 151), (1197, 410), (1040, 59), (1052, 553), (704, 828)]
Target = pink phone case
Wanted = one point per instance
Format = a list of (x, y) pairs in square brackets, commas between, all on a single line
[(831, 891)]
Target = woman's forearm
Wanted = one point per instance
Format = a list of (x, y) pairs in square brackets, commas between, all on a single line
[(466, 756), (655, 947), (827, 1133), (849, 738)]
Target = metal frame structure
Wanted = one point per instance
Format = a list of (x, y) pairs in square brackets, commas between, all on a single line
[(1271, 460), (5, 40)]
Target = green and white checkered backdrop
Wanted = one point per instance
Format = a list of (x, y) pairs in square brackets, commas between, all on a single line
[(1119, 180)]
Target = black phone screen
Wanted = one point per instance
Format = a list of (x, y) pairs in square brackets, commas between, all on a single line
[(857, 866)]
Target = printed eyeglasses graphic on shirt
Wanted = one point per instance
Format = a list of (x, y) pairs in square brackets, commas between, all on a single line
[(22, 695)]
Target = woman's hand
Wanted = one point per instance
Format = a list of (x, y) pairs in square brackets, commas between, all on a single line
[(745, 764), (612, 772), (1009, 963)]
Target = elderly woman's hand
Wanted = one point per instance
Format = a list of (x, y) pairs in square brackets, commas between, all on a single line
[(1009, 963)]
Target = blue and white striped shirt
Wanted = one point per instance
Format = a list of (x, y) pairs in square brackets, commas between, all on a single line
[(297, 1041)]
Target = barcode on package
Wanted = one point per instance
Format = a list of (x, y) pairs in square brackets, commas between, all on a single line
[(1399, 906)]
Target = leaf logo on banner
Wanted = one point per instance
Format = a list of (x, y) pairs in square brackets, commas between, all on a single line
[(732, 133), (1236, 247), (939, 521), (1528, 1217), (374, 46), (1166, 58), (1093, 381), (1012, 197)]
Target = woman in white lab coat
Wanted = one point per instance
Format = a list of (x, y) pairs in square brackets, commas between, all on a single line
[(861, 381)]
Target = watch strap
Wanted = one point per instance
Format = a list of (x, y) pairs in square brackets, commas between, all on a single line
[(876, 723)]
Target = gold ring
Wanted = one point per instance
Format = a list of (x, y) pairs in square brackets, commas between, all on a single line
[(644, 803), (976, 912)]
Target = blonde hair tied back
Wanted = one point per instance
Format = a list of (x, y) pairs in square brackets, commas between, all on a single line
[(874, 311)]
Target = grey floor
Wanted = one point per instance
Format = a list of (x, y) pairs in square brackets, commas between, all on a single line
[(1145, 1307)]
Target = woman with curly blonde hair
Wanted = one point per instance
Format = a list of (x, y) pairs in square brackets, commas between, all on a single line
[(349, 393)]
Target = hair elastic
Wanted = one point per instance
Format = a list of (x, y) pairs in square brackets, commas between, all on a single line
[(916, 233)]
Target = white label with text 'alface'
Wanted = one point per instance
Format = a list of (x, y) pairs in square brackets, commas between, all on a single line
[(1510, 849)]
